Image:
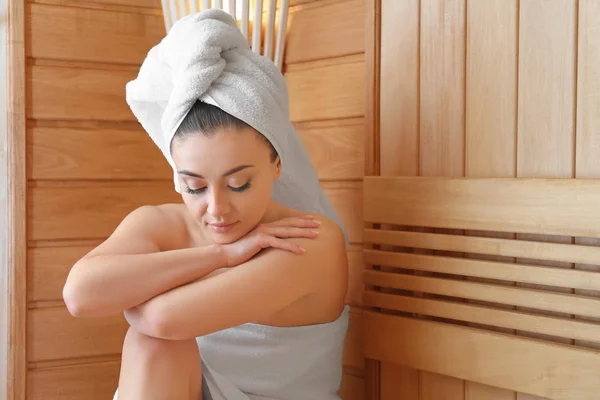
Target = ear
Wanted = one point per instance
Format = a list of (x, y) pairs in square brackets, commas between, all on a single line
[(278, 167)]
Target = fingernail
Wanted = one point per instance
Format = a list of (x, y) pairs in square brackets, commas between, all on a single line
[(318, 222), (315, 232), (302, 250)]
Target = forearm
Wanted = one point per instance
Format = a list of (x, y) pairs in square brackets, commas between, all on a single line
[(109, 284)]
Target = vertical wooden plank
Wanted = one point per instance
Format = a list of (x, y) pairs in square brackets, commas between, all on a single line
[(491, 112), (13, 278), (399, 87), (546, 88), (442, 124), (587, 157), (399, 382), (546, 94), (442, 115)]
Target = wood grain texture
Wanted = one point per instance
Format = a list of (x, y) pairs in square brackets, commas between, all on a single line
[(539, 206), (85, 94), (335, 147), (547, 53), (96, 381), (13, 306), (346, 198), (355, 284), (588, 90), (333, 29), (68, 33), (327, 91), (569, 373), (491, 111), (53, 334), (59, 153), (442, 96), (353, 388), (48, 268), (136, 3), (397, 380), (399, 136), (353, 351)]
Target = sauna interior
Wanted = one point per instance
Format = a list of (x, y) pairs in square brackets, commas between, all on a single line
[(459, 141)]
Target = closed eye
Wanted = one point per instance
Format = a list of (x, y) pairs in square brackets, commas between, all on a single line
[(246, 186)]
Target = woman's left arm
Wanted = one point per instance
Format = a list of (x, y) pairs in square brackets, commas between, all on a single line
[(256, 289)]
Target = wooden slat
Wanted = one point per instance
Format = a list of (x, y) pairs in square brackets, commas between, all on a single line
[(89, 381), (333, 29), (486, 245), (335, 147), (588, 90), (352, 388), (54, 334), (48, 268), (68, 33), (487, 269), (555, 371), (353, 345), (396, 379), (560, 327), (85, 94), (347, 200), (82, 154), (70, 212), (531, 298), (327, 91), (545, 206)]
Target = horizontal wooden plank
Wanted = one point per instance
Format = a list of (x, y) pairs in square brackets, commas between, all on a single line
[(336, 148), (530, 298), (352, 388), (47, 270), (549, 370), (74, 211), (486, 245), (333, 29), (560, 277), (89, 212), (133, 3), (353, 346), (543, 206), (70, 33), (76, 382), (328, 91), (561, 327), (53, 334), (82, 154), (85, 94)]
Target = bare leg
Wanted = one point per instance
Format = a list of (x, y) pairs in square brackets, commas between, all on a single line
[(157, 369)]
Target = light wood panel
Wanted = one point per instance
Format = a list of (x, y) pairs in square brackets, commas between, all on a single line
[(96, 381), (85, 94), (347, 200), (399, 382), (588, 90), (353, 351), (562, 206), (48, 270), (66, 153), (570, 373), (335, 147), (355, 284), (442, 67), (136, 3), (69, 33), (333, 28), (353, 387), (53, 334), (327, 90)]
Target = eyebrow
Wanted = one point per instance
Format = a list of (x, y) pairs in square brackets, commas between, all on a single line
[(230, 172)]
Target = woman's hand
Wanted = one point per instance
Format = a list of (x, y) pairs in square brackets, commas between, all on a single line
[(271, 235)]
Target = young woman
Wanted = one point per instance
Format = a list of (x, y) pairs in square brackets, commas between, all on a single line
[(229, 295)]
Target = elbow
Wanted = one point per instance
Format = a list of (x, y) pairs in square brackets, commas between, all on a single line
[(152, 319), (75, 300)]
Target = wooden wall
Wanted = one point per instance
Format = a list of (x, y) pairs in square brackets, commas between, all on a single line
[(486, 88), (89, 163)]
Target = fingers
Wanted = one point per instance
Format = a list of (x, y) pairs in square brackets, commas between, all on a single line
[(297, 222), (284, 245), (284, 232)]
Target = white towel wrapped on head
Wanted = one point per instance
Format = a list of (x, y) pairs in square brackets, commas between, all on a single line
[(205, 57)]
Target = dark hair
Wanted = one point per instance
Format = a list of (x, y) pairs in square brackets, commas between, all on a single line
[(207, 119)]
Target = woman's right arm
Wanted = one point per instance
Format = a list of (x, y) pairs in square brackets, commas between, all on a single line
[(130, 267)]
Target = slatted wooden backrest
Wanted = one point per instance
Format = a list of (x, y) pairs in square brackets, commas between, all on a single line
[(271, 45), (458, 282)]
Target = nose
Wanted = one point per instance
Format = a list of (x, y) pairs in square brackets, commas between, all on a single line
[(218, 204)]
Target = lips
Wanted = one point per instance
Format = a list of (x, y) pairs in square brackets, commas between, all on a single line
[(222, 227)]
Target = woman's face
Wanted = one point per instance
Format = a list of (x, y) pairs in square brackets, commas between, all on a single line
[(226, 180)]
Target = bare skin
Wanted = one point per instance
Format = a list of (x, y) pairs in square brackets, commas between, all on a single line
[(270, 265)]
